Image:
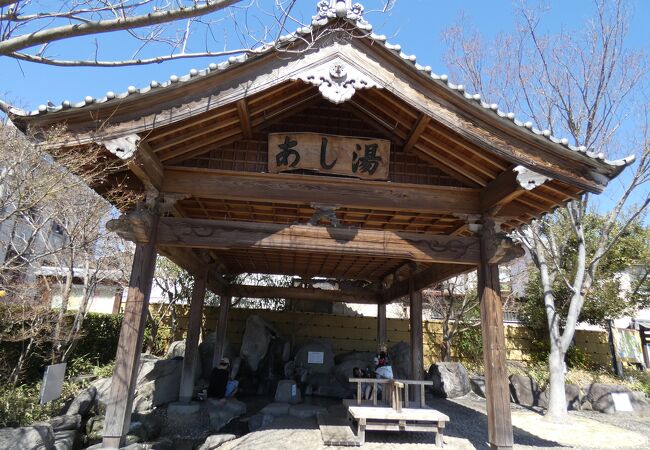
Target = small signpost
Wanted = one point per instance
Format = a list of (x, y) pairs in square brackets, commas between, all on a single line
[(363, 158), (52, 382)]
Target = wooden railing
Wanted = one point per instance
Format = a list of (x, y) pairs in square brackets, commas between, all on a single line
[(393, 391)]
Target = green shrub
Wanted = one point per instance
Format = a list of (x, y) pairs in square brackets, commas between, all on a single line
[(19, 404), (468, 345)]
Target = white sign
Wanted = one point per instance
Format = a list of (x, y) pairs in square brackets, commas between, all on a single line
[(294, 391), (315, 357), (622, 401), (52, 382)]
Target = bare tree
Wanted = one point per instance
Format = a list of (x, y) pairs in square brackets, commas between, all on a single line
[(455, 303), (587, 85), (160, 30), (50, 217)]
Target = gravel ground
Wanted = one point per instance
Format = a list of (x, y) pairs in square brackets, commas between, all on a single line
[(467, 429)]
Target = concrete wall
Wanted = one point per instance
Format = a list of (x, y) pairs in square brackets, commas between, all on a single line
[(359, 333)]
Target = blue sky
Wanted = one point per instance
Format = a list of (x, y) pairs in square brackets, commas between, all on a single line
[(416, 24)]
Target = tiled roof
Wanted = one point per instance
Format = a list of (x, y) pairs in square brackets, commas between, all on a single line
[(327, 11)]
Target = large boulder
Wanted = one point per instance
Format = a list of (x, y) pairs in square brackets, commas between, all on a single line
[(67, 422), (573, 394), (82, 402), (400, 356), (325, 385), (305, 411), (343, 370), (103, 388), (176, 350), (158, 382), (36, 437), (600, 397), (255, 342), (450, 379), (216, 440), (302, 363), (477, 382), (524, 390), (206, 352), (65, 440)]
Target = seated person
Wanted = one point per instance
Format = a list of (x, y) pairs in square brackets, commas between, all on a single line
[(366, 388), (383, 369), (221, 386)]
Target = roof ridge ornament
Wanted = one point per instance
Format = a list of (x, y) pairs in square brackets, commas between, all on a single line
[(337, 81), (327, 10)]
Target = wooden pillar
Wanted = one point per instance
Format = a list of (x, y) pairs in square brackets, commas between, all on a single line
[(497, 391), (417, 344), (192, 339), (382, 338), (127, 360), (224, 308)]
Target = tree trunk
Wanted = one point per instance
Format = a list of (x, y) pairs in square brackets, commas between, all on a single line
[(557, 408)]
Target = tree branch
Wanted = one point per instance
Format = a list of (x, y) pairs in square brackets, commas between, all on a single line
[(12, 45)]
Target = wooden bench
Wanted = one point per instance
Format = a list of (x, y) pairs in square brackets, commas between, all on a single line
[(395, 412)]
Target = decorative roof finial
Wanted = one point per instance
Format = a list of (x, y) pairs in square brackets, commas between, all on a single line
[(331, 9)]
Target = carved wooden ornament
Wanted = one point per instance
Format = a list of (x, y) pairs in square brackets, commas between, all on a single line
[(337, 80)]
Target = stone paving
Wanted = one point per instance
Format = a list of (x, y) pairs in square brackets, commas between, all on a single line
[(467, 430)]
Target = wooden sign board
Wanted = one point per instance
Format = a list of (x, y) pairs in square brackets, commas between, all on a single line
[(358, 157)]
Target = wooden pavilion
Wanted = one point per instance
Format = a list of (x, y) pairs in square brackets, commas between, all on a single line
[(329, 153)]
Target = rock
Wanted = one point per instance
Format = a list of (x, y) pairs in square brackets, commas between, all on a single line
[(301, 359), (524, 390), (256, 339), (83, 402), (287, 392), (259, 421), (586, 406), (450, 379), (158, 383), (103, 387), (222, 412), (176, 350), (305, 411), (67, 422), (206, 352), (573, 395), (149, 426), (36, 437), (325, 385), (343, 370), (276, 409), (216, 440), (95, 428), (65, 440), (600, 397), (400, 356), (162, 444), (477, 382)]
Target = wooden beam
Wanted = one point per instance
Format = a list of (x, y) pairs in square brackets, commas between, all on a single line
[(127, 360), (306, 189), (500, 191), (349, 295), (229, 235), (244, 118), (494, 348), (422, 123), (192, 340), (224, 309), (424, 279)]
